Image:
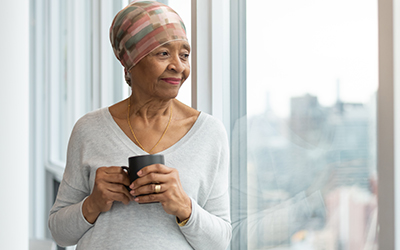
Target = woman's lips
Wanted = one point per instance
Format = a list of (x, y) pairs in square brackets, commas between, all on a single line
[(173, 81)]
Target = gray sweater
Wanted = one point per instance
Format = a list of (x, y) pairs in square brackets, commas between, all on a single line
[(201, 157)]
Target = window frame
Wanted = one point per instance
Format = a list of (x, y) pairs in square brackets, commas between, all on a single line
[(388, 124)]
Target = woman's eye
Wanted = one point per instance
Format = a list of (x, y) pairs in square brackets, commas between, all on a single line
[(185, 56), (163, 53)]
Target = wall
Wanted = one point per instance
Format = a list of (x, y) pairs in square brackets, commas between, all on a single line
[(14, 125)]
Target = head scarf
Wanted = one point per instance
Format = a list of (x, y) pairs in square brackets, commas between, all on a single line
[(141, 27)]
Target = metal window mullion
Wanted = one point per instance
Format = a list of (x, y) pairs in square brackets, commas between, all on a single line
[(96, 55), (38, 123), (238, 124), (42, 104), (106, 63), (70, 101), (202, 55), (386, 128), (396, 83), (88, 21)]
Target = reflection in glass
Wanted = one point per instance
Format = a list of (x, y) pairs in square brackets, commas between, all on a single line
[(311, 133)]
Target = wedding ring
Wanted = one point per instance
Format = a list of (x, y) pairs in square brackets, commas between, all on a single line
[(157, 188)]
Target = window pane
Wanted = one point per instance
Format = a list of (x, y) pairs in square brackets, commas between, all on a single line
[(74, 84), (312, 75)]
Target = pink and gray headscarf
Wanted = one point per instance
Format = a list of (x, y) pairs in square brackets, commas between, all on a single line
[(141, 27)]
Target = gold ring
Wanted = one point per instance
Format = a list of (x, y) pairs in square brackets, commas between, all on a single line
[(157, 188)]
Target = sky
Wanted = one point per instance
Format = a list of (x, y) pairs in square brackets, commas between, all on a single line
[(310, 46), (320, 47)]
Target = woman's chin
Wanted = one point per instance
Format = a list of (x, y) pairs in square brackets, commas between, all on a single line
[(171, 94)]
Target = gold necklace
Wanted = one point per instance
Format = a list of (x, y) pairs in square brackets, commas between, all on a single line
[(165, 131)]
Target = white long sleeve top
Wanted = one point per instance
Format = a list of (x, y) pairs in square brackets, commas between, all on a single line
[(201, 157)]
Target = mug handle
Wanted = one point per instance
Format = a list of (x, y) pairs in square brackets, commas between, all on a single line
[(127, 170)]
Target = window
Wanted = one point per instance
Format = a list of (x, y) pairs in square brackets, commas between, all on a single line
[(309, 126), (69, 68)]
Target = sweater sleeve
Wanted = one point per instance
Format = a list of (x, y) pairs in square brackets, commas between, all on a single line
[(209, 226), (66, 221)]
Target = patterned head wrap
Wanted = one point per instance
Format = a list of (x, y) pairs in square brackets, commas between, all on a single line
[(141, 27)]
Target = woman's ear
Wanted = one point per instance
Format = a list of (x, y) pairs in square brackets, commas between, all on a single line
[(127, 77)]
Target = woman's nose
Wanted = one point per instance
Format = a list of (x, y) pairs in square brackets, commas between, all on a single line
[(176, 64)]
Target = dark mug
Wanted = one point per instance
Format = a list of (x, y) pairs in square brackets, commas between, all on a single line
[(136, 163)]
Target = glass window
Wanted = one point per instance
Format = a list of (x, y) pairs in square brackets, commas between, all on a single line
[(312, 77), (70, 66)]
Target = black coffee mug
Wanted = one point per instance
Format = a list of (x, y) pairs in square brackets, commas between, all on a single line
[(136, 163)]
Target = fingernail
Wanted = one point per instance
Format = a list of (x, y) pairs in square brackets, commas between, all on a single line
[(136, 199), (132, 192), (139, 173)]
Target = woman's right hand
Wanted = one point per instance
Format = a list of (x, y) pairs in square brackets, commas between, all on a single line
[(109, 186)]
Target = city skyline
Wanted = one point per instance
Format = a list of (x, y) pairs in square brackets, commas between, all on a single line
[(311, 176)]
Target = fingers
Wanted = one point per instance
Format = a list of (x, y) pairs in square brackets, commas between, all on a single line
[(156, 173), (149, 189), (122, 197), (113, 175), (150, 198), (108, 197), (150, 179), (169, 191), (155, 168), (119, 193), (110, 185), (111, 191), (156, 183)]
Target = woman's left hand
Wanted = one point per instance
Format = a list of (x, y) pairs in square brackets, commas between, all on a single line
[(171, 195)]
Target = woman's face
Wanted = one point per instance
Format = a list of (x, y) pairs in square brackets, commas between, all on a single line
[(161, 73)]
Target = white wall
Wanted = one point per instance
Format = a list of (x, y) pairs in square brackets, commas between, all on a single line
[(14, 125)]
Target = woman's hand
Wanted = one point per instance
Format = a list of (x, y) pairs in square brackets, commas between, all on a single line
[(171, 195), (109, 186)]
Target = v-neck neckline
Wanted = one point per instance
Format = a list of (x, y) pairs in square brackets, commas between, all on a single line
[(135, 148)]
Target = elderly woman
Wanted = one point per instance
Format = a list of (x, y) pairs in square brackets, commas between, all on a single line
[(183, 204)]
